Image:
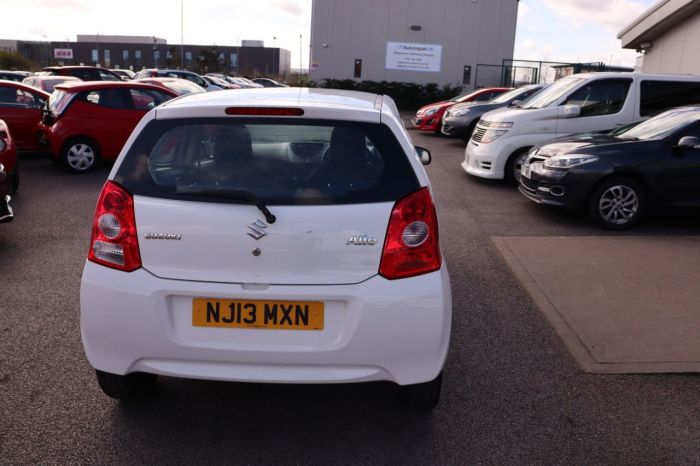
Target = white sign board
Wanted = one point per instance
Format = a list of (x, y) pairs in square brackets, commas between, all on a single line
[(413, 57), (63, 54)]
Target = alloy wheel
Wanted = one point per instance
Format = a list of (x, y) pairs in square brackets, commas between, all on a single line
[(618, 204)]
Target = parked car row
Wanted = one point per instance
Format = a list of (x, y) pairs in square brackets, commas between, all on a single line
[(627, 161)]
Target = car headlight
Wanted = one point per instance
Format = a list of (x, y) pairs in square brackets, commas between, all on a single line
[(568, 161), (492, 134), (460, 112), (431, 112), (2, 145), (500, 124)]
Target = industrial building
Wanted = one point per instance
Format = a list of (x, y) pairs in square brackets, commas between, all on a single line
[(666, 36), (440, 41), (137, 52)]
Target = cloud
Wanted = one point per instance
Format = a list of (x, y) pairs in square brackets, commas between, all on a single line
[(611, 15), (290, 7), (61, 4)]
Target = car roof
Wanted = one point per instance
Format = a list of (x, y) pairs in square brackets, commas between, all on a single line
[(95, 85), (24, 87), (73, 67), (281, 97), (162, 79), (52, 77)]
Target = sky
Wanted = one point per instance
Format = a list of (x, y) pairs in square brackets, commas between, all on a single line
[(554, 30)]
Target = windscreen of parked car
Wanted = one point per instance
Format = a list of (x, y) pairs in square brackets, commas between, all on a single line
[(183, 87), (58, 101), (662, 125), (551, 94), (282, 161), (514, 94)]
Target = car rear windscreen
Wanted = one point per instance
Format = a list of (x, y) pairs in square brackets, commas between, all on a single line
[(281, 161)]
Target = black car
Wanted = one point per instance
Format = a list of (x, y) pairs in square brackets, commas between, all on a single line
[(460, 120), (86, 73), (618, 175), (17, 76)]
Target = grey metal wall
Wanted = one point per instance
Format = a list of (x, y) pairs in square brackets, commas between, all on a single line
[(676, 51), (470, 32)]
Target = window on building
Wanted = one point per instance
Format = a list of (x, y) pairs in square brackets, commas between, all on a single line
[(125, 56), (137, 57), (467, 75), (95, 56), (188, 59), (602, 97), (660, 95), (234, 60), (358, 68), (108, 58), (156, 57)]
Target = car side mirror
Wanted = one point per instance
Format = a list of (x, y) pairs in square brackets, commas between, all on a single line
[(516, 103), (689, 142), (570, 111), (424, 155)]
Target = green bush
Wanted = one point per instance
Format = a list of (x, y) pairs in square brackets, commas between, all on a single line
[(14, 61), (408, 96)]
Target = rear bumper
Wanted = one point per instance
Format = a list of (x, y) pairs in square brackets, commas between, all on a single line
[(376, 330), (48, 142)]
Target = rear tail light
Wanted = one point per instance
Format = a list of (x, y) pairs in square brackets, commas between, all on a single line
[(412, 246), (114, 240)]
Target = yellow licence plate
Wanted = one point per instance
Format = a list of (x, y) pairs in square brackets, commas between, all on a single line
[(243, 313)]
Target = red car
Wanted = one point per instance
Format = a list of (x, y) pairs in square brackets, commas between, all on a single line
[(429, 118), (20, 107), (47, 83), (89, 121), (9, 176)]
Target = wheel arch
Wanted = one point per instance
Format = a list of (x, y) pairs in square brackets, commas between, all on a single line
[(634, 176)]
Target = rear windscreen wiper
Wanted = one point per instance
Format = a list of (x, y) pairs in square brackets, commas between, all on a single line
[(235, 195)]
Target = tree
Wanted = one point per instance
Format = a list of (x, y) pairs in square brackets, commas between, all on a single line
[(14, 61)]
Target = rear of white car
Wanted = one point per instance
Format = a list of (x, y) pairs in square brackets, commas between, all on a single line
[(268, 236)]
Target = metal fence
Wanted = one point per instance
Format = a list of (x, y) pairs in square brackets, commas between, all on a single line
[(504, 76), (514, 73)]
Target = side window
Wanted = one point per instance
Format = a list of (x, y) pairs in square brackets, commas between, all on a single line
[(8, 97), (29, 100), (483, 97), (693, 131), (661, 95), (110, 98), (147, 99), (602, 97), (104, 76)]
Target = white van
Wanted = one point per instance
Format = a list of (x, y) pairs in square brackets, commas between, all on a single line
[(575, 104)]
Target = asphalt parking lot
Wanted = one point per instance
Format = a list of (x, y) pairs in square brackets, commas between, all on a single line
[(512, 393)]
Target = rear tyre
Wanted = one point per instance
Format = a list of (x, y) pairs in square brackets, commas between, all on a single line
[(617, 203), (515, 161), (80, 155), (129, 387), (15, 181), (421, 396)]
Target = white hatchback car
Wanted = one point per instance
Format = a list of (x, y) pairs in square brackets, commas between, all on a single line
[(268, 235)]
